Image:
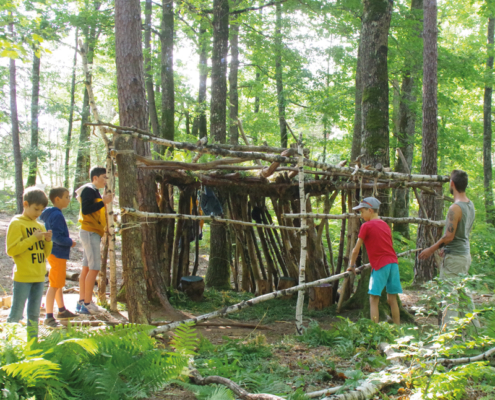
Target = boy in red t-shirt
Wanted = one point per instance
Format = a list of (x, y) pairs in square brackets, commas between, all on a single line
[(377, 238)]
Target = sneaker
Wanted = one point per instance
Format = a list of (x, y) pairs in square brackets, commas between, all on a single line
[(66, 314), (94, 309), (78, 307), (83, 310), (51, 323)]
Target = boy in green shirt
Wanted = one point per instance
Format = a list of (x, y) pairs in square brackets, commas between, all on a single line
[(29, 245)]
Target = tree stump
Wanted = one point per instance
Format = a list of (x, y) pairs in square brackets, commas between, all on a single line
[(286, 282), (320, 297), (193, 286)]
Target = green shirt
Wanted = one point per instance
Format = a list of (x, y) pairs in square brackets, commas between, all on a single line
[(460, 244)]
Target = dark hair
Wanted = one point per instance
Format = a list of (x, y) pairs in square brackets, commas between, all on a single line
[(96, 171), (460, 179), (57, 192), (33, 195)]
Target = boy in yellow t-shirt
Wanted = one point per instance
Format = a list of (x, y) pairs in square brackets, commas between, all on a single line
[(29, 245)]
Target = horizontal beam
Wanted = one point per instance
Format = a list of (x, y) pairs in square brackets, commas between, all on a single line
[(215, 150), (249, 303), (408, 220), (147, 215)]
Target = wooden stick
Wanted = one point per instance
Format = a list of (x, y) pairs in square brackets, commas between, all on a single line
[(187, 166), (409, 220), (249, 303), (211, 149), (143, 214), (304, 237)]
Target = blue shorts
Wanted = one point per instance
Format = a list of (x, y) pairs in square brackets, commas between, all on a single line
[(386, 276)]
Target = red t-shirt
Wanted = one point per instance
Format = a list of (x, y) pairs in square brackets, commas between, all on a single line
[(377, 238)]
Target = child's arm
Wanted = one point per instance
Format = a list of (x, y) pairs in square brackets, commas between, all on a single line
[(59, 229), (16, 244), (354, 255), (88, 205), (48, 243)]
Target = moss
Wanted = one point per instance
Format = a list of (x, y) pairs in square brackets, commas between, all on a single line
[(376, 9)]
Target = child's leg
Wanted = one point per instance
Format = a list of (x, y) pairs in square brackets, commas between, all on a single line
[(57, 282), (394, 307), (33, 308), (59, 298), (82, 282), (50, 299), (374, 302), (20, 294), (92, 249), (89, 285)]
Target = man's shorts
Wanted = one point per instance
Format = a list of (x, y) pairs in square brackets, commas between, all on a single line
[(386, 276), (91, 253), (58, 266)]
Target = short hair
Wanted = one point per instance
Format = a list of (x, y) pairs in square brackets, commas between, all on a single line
[(460, 179), (57, 192), (34, 195), (96, 171)]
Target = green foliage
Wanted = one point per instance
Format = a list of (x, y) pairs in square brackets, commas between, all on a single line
[(122, 362)]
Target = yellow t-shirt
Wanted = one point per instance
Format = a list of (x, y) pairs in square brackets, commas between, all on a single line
[(29, 254)]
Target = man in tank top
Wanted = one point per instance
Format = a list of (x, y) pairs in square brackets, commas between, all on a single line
[(455, 240)]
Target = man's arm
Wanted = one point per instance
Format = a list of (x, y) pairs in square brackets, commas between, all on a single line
[(453, 217), (355, 254)]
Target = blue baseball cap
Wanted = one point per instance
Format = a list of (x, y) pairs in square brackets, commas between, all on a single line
[(368, 202)]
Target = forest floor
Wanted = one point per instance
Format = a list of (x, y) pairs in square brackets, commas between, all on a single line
[(275, 318)]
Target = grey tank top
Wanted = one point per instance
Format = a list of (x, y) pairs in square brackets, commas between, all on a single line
[(460, 244)]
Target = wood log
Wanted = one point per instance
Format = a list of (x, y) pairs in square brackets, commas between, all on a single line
[(72, 276), (193, 287), (262, 287), (320, 297)]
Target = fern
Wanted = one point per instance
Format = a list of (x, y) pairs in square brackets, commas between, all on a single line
[(185, 341), (32, 370), (210, 392)]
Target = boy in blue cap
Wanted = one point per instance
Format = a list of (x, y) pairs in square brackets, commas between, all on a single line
[(377, 238)]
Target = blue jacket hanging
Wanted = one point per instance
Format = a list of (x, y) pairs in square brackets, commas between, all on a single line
[(210, 204)]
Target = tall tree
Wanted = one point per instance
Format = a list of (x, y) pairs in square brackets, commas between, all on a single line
[(358, 98), (71, 113), (487, 127), (19, 187), (35, 101), (200, 128), (407, 115), (424, 269), (217, 275), (233, 82), (132, 112), (279, 75), (148, 68), (168, 91)]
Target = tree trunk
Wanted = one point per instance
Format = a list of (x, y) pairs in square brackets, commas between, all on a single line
[(168, 92), (200, 125), (132, 112), (233, 76), (35, 101), (149, 69), (407, 119), (19, 187), (358, 98), (487, 127), (279, 76), (218, 272), (71, 114), (424, 269)]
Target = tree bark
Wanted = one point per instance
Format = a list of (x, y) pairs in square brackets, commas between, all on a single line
[(233, 77), (200, 123), (71, 113), (148, 69), (19, 186), (487, 127), (132, 112), (35, 101), (168, 92), (358, 98), (424, 269), (407, 119), (279, 76)]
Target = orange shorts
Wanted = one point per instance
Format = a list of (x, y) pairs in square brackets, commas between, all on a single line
[(56, 277)]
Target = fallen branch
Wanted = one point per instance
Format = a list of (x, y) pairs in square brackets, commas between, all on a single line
[(142, 214), (465, 360), (366, 390), (239, 391), (408, 220), (227, 325), (249, 303)]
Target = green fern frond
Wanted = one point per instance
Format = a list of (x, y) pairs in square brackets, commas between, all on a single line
[(211, 392), (185, 340), (87, 344), (32, 370)]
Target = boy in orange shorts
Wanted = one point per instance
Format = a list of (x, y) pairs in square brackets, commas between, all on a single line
[(62, 243)]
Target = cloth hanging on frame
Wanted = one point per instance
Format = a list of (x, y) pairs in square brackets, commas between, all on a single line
[(209, 203)]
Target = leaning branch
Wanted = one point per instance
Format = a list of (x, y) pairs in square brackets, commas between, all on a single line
[(260, 299), (465, 360), (212, 149), (147, 215)]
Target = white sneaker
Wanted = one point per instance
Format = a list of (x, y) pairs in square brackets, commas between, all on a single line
[(94, 309)]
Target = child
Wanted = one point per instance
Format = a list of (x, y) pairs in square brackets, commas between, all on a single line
[(54, 220), (377, 237), (29, 244), (93, 223)]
